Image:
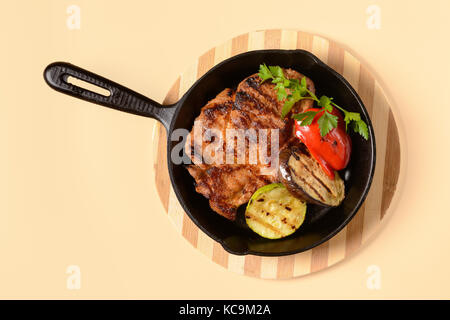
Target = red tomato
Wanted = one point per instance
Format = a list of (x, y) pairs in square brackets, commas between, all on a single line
[(331, 151)]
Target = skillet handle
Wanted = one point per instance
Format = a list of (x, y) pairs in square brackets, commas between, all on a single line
[(119, 98)]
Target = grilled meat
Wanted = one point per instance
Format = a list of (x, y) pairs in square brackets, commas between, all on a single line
[(204, 143), (226, 172), (227, 186)]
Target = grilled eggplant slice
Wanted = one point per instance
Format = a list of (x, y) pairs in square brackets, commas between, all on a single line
[(273, 212), (304, 178)]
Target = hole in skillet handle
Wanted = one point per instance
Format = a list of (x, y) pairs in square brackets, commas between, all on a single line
[(84, 85)]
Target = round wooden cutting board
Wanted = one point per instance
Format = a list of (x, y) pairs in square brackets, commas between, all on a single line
[(387, 172)]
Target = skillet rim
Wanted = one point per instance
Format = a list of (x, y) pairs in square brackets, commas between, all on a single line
[(371, 141)]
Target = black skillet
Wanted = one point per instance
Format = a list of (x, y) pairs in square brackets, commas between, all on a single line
[(321, 223)]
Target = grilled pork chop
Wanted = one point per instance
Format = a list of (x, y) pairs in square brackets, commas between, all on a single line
[(229, 184)]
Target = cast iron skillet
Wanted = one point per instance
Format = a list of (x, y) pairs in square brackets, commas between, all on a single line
[(320, 224)]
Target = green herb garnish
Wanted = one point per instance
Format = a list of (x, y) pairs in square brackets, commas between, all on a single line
[(296, 88), (293, 90)]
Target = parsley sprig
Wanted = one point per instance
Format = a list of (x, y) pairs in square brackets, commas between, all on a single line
[(293, 90)]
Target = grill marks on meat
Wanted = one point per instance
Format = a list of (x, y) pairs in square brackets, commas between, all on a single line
[(251, 106), (226, 186), (256, 106), (209, 127)]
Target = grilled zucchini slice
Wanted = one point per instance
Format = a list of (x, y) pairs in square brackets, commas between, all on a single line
[(273, 212)]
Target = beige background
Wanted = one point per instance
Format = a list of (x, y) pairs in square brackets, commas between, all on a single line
[(77, 183)]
